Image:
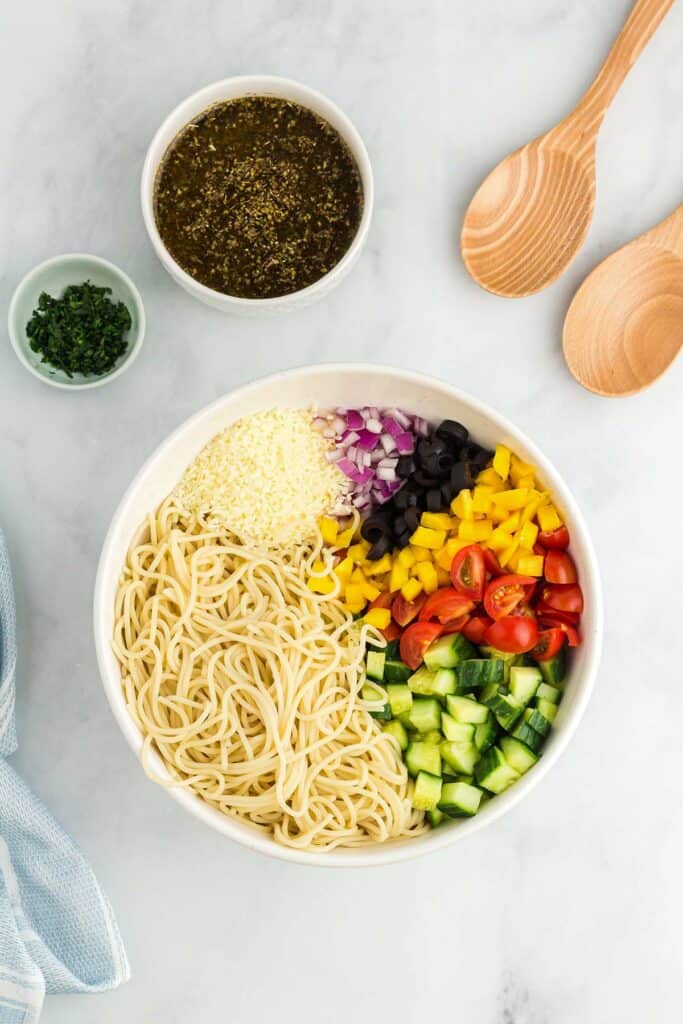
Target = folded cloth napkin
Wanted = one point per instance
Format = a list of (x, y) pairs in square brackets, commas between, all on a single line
[(57, 930)]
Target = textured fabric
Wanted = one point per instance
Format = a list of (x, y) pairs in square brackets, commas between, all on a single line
[(57, 930)]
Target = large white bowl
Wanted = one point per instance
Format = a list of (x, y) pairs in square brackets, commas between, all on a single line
[(230, 89), (329, 386)]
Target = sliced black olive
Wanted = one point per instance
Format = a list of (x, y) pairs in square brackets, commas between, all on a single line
[(424, 450), (446, 461), (475, 454), (461, 476), (375, 526), (400, 525), (379, 548), (405, 466), (482, 459), (402, 499), (447, 494), (411, 517), (433, 499), (452, 432), (403, 539), (423, 480)]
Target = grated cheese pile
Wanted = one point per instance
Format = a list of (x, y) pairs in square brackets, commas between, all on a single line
[(266, 479)]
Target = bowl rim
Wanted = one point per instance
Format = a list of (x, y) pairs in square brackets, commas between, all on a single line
[(376, 854), (133, 349), (250, 84)]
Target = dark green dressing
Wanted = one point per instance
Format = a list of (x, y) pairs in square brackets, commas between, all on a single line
[(258, 197)]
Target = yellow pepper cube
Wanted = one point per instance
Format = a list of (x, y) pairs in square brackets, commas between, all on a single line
[(399, 576), (321, 584), (499, 540), (318, 566), (354, 594), (527, 482), (511, 523), (370, 591), (357, 552), (444, 558), (381, 565), (421, 554), (548, 519), (379, 617), (477, 531), (431, 539), (427, 575), (406, 557), (329, 528), (481, 499), (501, 461), (436, 520), (528, 535), (344, 538), (505, 556), (443, 577), (355, 607), (462, 505), (344, 569), (521, 470), (536, 499), (512, 500), (357, 576), (490, 478), (530, 565), (411, 589)]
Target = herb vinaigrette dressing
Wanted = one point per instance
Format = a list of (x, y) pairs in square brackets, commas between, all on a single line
[(258, 197)]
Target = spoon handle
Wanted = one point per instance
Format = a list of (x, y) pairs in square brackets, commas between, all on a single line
[(640, 26), (669, 233)]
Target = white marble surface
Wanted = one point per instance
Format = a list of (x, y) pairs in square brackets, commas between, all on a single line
[(569, 909)]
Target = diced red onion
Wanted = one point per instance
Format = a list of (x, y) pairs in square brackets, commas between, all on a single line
[(367, 440), (405, 443), (388, 443), (400, 417), (387, 464), (354, 420), (386, 473), (373, 412), (334, 454), (352, 453), (373, 425), (391, 426), (339, 425), (421, 426), (348, 468), (349, 437)]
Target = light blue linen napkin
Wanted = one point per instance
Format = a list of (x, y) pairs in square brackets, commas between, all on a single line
[(57, 930)]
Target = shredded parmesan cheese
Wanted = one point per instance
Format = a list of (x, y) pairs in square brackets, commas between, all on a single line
[(266, 479)]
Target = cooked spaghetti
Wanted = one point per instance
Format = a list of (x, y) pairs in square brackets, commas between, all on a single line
[(247, 685)]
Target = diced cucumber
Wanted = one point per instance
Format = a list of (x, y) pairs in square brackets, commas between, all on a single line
[(485, 735), (528, 736), (547, 709), (477, 672), (549, 693), (517, 754), (425, 714), (445, 682), (461, 756), (426, 791), (506, 708), (404, 719), (508, 659), (524, 682), (423, 757), (396, 672), (491, 691), (374, 665), (448, 651), (493, 772), (555, 669), (459, 800), (537, 720), (400, 698), (459, 732), (422, 681), (449, 776), (435, 817), (436, 683), (434, 737), (397, 730), (371, 691), (462, 709)]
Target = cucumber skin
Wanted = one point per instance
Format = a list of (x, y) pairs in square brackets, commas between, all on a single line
[(555, 670)]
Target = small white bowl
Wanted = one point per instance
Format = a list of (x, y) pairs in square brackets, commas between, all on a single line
[(53, 276), (230, 89), (327, 387)]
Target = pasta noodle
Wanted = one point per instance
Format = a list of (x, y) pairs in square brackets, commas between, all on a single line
[(247, 685)]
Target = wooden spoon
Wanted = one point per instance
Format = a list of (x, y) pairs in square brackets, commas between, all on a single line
[(625, 324), (530, 216)]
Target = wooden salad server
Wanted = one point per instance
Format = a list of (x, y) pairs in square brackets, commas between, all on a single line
[(625, 324), (531, 214)]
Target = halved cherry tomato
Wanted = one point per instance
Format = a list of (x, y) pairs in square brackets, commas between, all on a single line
[(559, 567), (475, 629), (569, 630), (567, 598), (550, 641), (383, 601), (456, 625), (558, 538), (415, 641), (544, 610), (468, 572), (446, 605), (538, 549), (405, 611), (492, 564), (391, 632), (513, 633), (504, 593)]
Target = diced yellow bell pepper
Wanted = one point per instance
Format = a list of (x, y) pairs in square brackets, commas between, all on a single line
[(354, 594), (462, 505), (399, 576), (355, 607), (411, 589), (376, 568), (476, 531), (431, 539), (436, 521), (511, 523), (501, 461), (530, 565), (321, 584), (498, 514), (421, 554), (520, 470), (505, 556), (444, 558), (379, 617), (528, 535), (344, 538), (406, 557), (443, 578), (427, 575), (329, 528), (344, 569), (490, 478), (548, 519), (357, 576), (499, 540), (357, 552), (318, 566), (536, 499), (527, 481), (481, 498), (370, 591), (513, 499)]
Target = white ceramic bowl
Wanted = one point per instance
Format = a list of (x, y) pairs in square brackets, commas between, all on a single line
[(53, 276), (232, 88), (330, 386)]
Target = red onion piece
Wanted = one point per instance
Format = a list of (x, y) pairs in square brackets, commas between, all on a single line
[(354, 420), (348, 468), (373, 425), (391, 426), (405, 443), (400, 417), (386, 473), (367, 440), (388, 443)]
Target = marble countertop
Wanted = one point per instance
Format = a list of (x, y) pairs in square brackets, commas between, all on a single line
[(568, 909)]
